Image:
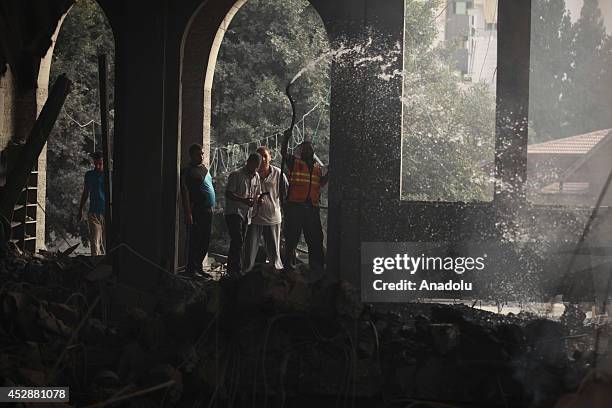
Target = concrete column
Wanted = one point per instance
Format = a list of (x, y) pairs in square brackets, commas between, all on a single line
[(365, 139), (140, 139), (512, 103)]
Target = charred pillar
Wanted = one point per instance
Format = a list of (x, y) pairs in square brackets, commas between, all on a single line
[(366, 115), (144, 155), (512, 103)]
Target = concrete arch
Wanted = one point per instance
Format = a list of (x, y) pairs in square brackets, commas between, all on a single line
[(45, 64), (200, 45), (196, 48), (210, 71), (41, 94)]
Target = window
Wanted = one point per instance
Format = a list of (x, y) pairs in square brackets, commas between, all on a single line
[(461, 7), (570, 106), (449, 106)]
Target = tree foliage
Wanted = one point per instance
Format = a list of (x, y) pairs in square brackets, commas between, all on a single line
[(550, 67), (267, 43)]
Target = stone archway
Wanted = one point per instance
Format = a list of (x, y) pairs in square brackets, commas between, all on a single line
[(200, 47), (44, 76), (210, 73)]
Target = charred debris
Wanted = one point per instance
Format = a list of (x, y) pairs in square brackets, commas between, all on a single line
[(273, 339)]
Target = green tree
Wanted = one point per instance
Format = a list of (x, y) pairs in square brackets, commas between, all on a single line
[(267, 43), (84, 33), (570, 71)]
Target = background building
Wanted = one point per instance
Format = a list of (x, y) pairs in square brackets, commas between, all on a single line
[(570, 171), (469, 28)]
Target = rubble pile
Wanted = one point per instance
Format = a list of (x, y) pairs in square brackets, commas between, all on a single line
[(272, 339)]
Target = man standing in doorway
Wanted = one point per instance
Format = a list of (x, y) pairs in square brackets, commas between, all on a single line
[(302, 206), (243, 187), (198, 195), (267, 216), (93, 188)]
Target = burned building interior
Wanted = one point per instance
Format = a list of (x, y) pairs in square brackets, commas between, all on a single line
[(128, 329)]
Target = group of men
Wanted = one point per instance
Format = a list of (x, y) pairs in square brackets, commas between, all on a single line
[(260, 204), (258, 208)]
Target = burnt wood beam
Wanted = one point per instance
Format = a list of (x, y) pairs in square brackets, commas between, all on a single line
[(27, 156)]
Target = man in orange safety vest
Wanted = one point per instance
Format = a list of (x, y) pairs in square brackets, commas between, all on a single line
[(302, 205)]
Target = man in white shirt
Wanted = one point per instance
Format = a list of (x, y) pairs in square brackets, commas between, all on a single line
[(267, 218), (241, 193)]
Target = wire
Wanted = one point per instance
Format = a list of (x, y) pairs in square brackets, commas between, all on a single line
[(92, 122), (76, 122), (228, 158), (440, 13)]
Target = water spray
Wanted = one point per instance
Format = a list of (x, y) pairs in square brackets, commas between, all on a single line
[(292, 101), (287, 136)]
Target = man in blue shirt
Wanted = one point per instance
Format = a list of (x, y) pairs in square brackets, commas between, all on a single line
[(198, 195), (93, 188)]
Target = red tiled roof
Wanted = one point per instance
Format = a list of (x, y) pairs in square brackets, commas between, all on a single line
[(580, 144)]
